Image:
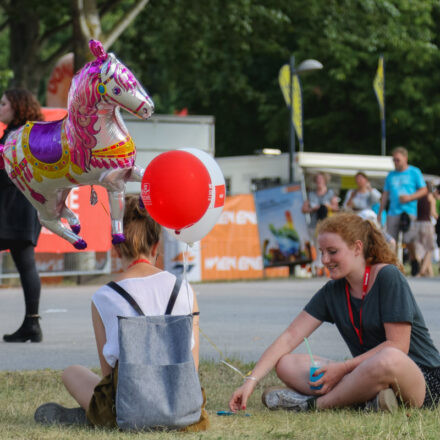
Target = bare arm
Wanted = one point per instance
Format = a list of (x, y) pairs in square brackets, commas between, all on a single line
[(101, 339), (334, 204), (303, 325), (397, 336), (414, 196), (432, 206), (306, 208), (383, 203)]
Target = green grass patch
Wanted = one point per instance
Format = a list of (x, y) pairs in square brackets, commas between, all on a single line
[(23, 391)]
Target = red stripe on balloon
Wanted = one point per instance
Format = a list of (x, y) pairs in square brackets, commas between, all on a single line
[(219, 196)]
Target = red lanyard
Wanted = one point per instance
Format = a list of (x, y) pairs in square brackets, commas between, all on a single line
[(140, 260), (350, 311)]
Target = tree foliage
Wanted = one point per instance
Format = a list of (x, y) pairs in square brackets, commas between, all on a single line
[(39, 33), (223, 57)]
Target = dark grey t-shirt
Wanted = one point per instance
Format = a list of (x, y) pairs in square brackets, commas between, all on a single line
[(389, 300)]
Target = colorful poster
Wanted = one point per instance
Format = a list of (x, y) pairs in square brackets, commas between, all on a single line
[(282, 227), (178, 256)]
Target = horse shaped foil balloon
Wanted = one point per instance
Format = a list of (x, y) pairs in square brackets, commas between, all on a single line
[(90, 146)]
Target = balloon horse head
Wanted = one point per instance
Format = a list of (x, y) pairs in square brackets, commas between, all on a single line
[(90, 146)]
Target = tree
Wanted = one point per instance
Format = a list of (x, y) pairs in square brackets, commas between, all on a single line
[(40, 33), (223, 58)]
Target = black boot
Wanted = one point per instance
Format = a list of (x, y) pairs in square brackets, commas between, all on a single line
[(29, 330), (415, 267)]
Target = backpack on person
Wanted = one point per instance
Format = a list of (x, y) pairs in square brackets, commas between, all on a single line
[(404, 222), (158, 385)]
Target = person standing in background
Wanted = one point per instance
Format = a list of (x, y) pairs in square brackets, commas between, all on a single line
[(320, 202), (403, 187), (426, 209), (19, 225), (364, 196)]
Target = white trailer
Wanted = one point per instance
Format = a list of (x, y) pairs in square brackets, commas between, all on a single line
[(163, 133)]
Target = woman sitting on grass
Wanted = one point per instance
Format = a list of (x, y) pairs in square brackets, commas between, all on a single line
[(151, 288), (374, 309)]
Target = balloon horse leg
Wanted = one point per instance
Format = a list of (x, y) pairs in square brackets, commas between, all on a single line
[(116, 201), (137, 174), (50, 217)]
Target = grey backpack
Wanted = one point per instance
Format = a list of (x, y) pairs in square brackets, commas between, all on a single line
[(158, 385)]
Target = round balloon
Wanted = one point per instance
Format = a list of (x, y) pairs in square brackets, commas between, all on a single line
[(199, 229), (176, 189)]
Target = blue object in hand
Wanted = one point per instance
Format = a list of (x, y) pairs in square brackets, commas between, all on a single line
[(314, 368)]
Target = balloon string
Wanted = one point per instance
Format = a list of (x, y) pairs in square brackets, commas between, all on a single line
[(222, 357), (104, 208), (184, 275)]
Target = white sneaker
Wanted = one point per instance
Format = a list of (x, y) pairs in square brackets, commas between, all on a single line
[(286, 398), (385, 400)]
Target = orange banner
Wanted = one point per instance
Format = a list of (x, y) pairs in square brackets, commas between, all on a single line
[(232, 249), (95, 223)]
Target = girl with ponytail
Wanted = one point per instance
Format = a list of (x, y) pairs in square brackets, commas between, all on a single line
[(369, 300)]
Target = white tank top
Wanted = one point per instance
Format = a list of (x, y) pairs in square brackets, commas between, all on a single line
[(152, 294)]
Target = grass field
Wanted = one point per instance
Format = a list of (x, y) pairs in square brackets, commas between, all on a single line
[(22, 392)]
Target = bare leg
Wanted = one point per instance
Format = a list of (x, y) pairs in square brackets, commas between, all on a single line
[(293, 370), (426, 266), (411, 251), (388, 368), (50, 217), (80, 382)]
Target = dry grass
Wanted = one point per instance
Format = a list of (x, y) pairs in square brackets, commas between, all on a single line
[(22, 392)]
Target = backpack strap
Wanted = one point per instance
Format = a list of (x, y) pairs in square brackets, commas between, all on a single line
[(135, 305), (173, 296), (126, 296)]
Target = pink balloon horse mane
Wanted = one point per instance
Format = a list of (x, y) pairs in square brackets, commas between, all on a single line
[(90, 146)]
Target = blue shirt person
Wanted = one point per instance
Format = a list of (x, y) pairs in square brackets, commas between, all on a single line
[(403, 187)]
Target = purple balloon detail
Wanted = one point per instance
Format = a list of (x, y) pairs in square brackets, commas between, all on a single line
[(118, 238), (76, 228), (45, 141), (80, 244)]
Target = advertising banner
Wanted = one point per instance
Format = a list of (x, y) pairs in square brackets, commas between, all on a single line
[(282, 226), (232, 250)]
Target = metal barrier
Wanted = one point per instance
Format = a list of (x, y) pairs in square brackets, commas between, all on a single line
[(56, 264)]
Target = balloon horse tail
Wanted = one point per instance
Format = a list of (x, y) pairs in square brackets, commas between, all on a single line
[(45, 160)]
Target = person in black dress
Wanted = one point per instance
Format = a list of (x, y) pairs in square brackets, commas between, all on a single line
[(19, 225)]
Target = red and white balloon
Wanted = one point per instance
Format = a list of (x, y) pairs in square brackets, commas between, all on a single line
[(184, 191)]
